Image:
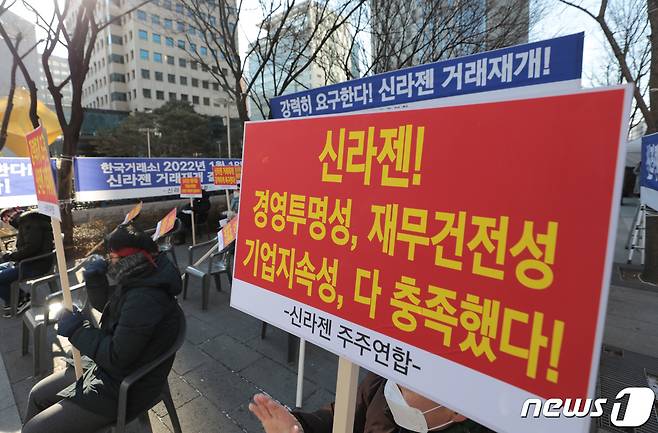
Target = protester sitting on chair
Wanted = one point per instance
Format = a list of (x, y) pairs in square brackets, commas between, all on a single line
[(382, 406), (201, 208), (34, 238), (140, 321)]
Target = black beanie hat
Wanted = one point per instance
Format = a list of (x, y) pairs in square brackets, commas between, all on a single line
[(129, 237)]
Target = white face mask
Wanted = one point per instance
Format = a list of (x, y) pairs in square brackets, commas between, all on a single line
[(404, 415)]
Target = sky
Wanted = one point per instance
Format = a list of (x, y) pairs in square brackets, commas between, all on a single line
[(559, 20)]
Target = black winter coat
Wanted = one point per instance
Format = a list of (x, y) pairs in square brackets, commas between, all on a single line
[(34, 238), (140, 321)]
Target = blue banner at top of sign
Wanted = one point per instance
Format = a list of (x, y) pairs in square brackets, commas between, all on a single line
[(542, 62), (649, 165)]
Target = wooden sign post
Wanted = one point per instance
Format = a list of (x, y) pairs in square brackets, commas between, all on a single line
[(44, 185)]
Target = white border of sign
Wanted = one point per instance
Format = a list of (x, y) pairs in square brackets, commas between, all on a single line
[(494, 399)]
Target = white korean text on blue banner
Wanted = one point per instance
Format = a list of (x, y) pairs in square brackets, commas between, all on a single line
[(543, 62), (122, 178)]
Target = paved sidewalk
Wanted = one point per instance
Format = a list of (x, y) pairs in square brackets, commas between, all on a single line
[(10, 421)]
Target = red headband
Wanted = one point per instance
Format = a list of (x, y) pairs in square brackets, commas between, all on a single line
[(129, 251)]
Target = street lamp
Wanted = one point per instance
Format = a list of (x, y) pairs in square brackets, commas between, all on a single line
[(148, 138), (225, 102)]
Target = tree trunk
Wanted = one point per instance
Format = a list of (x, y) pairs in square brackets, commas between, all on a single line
[(652, 7), (65, 191)]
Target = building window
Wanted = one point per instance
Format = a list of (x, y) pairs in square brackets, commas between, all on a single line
[(204, 51), (114, 58), (194, 65), (191, 30), (204, 84), (141, 15), (172, 96), (179, 8), (171, 78), (181, 44), (195, 82), (118, 96), (146, 93), (192, 47), (144, 54), (114, 78), (168, 24), (155, 20), (182, 62), (157, 39), (195, 100), (157, 57), (169, 42), (183, 97), (134, 93), (159, 94), (215, 86), (183, 80), (146, 74), (158, 76), (213, 21), (206, 101), (171, 60), (180, 26), (166, 4), (116, 40), (143, 35)]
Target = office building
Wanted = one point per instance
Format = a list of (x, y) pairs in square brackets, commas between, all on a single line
[(145, 59)]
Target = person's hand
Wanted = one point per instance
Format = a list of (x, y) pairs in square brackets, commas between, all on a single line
[(95, 265), (274, 417), (69, 321)]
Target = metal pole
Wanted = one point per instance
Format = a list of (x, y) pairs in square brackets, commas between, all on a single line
[(228, 130), (300, 373), (192, 219), (148, 140)]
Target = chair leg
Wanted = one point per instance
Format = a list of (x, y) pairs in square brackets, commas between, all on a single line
[(14, 293), (186, 279), (171, 409), (36, 351), (26, 339), (205, 292), (263, 330), (145, 422), (44, 350)]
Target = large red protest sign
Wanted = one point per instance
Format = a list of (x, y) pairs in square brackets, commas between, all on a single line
[(441, 246), (44, 182)]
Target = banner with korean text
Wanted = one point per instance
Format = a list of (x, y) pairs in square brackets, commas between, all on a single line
[(649, 171), (442, 247), (42, 174), (99, 179), (16, 183), (546, 62)]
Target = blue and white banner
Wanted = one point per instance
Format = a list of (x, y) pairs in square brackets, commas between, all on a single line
[(649, 171), (123, 178), (16, 182), (543, 62)]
